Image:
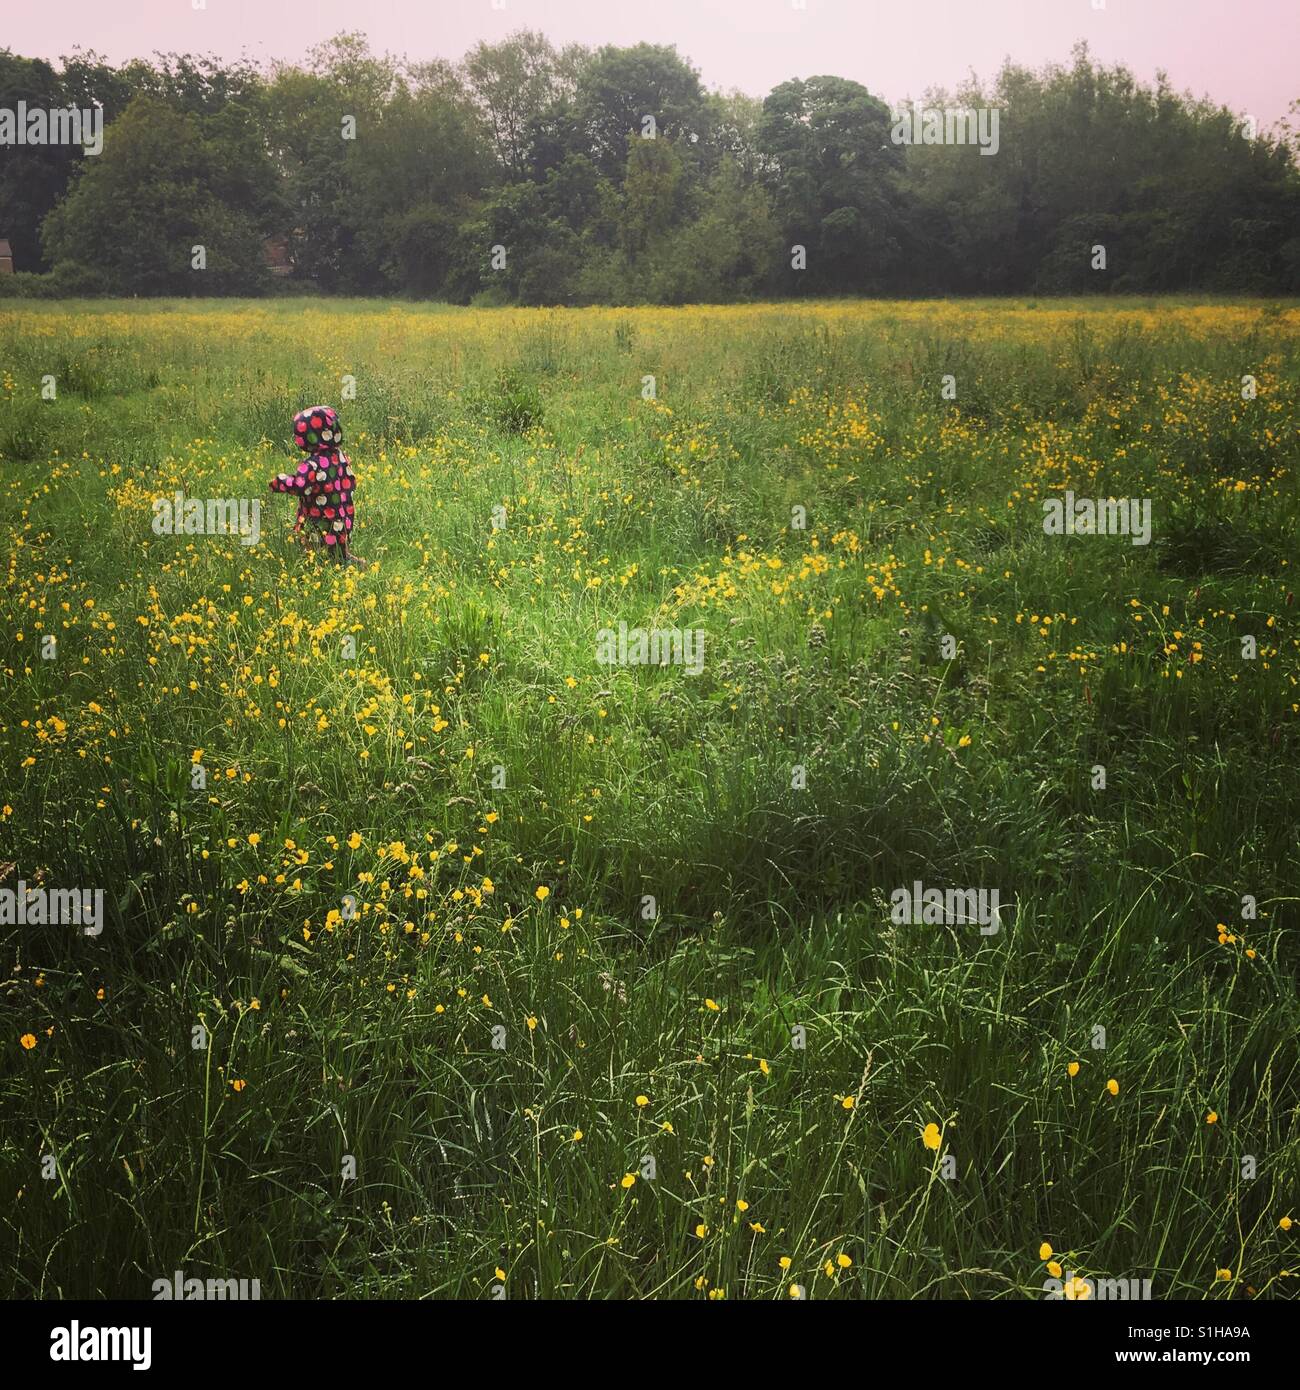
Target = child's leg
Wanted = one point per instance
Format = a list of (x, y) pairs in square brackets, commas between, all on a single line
[(341, 555), (348, 558)]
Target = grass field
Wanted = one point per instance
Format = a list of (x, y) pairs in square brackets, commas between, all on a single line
[(382, 1005)]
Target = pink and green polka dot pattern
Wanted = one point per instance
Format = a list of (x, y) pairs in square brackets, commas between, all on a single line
[(324, 483)]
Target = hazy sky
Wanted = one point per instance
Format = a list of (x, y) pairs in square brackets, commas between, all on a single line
[(1241, 52)]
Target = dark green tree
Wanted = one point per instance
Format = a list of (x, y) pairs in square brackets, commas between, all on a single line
[(32, 177), (165, 183), (834, 174), (620, 87)]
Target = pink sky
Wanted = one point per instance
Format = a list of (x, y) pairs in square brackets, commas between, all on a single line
[(1240, 52)]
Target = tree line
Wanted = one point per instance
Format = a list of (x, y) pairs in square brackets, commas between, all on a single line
[(533, 174)]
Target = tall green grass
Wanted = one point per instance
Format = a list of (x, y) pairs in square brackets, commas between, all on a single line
[(824, 652)]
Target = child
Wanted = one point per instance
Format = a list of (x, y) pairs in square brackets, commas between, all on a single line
[(324, 484)]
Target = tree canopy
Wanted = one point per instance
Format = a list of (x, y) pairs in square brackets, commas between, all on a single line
[(531, 174)]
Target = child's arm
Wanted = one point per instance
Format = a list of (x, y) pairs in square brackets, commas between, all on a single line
[(292, 482)]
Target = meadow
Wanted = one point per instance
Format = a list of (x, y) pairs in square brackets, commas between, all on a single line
[(442, 960)]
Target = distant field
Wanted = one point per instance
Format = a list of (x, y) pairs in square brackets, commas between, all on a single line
[(440, 958)]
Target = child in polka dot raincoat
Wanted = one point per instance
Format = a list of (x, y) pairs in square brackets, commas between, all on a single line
[(324, 484)]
